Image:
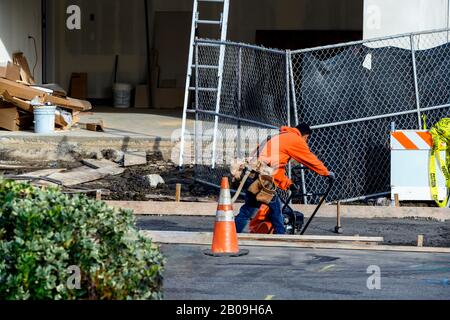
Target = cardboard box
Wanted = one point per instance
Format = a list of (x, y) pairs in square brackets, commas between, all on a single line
[(13, 119), (141, 99), (167, 98), (9, 71), (79, 86)]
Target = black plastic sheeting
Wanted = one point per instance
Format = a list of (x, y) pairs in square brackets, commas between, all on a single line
[(336, 85)]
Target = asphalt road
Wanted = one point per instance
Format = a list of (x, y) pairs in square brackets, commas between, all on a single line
[(286, 273), (311, 274)]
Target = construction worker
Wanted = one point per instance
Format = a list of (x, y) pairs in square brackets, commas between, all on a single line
[(291, 143)]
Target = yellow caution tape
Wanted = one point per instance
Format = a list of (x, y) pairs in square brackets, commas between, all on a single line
[(441, 142), (424, 120)]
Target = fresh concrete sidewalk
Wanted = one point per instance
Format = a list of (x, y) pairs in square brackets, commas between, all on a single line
[(127, 129)]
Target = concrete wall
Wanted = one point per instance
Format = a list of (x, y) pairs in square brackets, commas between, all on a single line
[(18, 20), (387, 17), (120, 29), (116, 27)]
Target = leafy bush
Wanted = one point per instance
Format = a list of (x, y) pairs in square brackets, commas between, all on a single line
[(44, 233)]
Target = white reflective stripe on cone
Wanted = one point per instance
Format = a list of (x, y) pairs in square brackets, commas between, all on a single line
[(225, 197), (225, 216)]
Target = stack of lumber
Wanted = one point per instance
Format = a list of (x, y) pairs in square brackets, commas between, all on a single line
[(17, 89)]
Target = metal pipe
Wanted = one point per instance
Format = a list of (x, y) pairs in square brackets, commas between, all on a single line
[(237, 44), (196, 148), (362, 198), (212, 113), (416, 85), (288, 105), (239, 147), (335, 124), (294, 100), (294, 95), (206, 183)]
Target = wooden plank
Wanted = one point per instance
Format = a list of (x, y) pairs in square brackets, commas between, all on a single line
[(207, 209), (13, 167), (203, 238), (22, 104), (308, 238), (97, 164), (25, 72), (207, 236), (135, 159), (84, 175), (41, 173), (24, 92)]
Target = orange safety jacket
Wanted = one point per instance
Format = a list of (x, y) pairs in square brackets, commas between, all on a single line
[(280, 149)]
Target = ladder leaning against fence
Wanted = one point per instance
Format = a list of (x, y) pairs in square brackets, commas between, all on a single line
[(223, 25)]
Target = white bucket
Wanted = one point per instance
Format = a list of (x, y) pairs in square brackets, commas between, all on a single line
[(44, 119), (122, 95)]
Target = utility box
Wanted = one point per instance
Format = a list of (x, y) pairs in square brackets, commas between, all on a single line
[(410, 173)]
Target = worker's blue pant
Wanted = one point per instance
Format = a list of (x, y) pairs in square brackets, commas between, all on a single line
[(251, 207)]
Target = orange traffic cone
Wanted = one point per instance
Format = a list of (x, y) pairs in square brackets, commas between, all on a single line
[(225, 240)]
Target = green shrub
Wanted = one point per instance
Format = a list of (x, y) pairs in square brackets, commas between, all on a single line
[(43, 233)]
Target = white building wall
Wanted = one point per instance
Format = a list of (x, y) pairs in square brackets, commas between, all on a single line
[(392, 17), (18, 20), (75, 51)]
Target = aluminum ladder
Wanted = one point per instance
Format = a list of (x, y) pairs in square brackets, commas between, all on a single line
[(223, 25)]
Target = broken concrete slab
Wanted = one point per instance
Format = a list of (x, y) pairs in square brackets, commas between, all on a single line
[(84, 174), (114, 155), (135, 159), (97, 164)]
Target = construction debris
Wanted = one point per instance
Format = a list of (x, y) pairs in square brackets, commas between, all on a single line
[(97, 164), (84, 174), (9, 71), (155, 180), (114, 155), (25, 72), (17, 91), (13, 118), (135, 159)]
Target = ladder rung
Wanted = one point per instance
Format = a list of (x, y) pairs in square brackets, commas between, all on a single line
[(210, 0), (208, 22), (205, 66), (203, 89)]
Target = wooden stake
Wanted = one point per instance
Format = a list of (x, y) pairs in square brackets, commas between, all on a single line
[(397, 201), (178, 193), (420, 240), (339, 214)]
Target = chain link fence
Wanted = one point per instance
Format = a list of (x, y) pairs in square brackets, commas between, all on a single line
[(350, 94), (254, 103)]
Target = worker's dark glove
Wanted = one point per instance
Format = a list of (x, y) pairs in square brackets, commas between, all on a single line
[(294, 188), (332, 176)]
